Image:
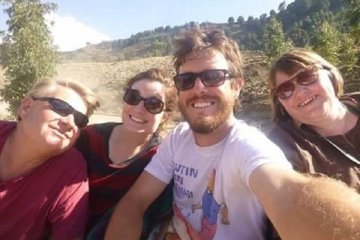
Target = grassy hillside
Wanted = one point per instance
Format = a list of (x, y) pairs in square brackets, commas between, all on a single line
[(107, 80)]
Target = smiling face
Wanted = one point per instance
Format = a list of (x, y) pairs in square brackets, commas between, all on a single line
[(135, 117), (309, 103), (207, 109), (47, 128)]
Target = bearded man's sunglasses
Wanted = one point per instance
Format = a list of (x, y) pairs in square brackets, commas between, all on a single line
[(210, 78), (64, 109), (152, 104), (305, 77)]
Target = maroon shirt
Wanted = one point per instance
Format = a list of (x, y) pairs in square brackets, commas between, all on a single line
[(51, 200)]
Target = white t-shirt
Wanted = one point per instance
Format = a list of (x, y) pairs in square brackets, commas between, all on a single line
[(212, 197)]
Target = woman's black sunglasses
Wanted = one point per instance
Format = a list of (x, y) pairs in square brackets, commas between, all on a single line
[(210, 78), (152, 104), (64, 109)]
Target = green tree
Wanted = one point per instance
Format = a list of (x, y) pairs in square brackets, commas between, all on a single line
[(240, 20), (231, 20), (263, 17), (30, 51), (353, 18), (158, 47), (299, 36), (326, 42), (282, 6), (275, 43), (347, 54)]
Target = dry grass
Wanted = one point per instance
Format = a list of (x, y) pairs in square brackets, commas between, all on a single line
[(107, 81)]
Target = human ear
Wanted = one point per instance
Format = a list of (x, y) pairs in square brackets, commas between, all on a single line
[(24, 107), (237, 85)]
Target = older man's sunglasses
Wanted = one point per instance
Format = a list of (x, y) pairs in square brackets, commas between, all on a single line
[(152, 104), (64, 109), (304, 77), (210, 78)]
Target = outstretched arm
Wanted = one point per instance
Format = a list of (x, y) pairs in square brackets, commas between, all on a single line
[(127, 219), (305, 207)]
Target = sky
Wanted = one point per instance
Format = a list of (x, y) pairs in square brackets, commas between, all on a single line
[(78, 22)]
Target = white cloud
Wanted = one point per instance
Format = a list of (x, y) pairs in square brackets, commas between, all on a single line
[(70, 34)]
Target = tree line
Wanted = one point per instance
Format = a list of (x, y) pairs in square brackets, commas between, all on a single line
[(329, 27)]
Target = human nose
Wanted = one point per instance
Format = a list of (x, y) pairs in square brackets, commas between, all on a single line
[(68, 121), (198, 84), (141, 106), (299, 89)]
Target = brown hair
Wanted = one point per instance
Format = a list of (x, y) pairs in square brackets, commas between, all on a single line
[(156, 74), (44, 86), (198, 40), (290, 63)]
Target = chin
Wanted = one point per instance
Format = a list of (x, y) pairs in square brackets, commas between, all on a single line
[(59, 144), (142, 131)]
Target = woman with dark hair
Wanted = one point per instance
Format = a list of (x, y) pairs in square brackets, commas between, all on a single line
[(117, 153), (317, 126)]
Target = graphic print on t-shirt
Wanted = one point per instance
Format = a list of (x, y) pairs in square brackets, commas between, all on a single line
[(182, 171), (210, 211)]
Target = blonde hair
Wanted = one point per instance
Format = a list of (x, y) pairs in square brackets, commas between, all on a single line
[(46, 85), (290, 63)]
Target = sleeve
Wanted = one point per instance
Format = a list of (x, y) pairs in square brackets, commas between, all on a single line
[(69, 213), (257, 150), (162, 164)]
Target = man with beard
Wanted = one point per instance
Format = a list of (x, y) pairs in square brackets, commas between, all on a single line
[(225, 172)]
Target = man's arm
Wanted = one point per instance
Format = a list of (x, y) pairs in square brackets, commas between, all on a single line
[(305, 207), (127, 219)]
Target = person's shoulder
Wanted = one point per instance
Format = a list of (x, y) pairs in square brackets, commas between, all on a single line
[(65, 167), (352, 101), (181, 129), (5, 126), (101, 127), (71, 158), (179, 135), (353, 95), (278, 134), (249, 137), (243, 131), (94, 133)]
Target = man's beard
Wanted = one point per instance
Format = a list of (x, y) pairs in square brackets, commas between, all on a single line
[(209, 124)]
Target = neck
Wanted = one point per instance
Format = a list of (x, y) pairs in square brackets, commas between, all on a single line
[(18, 158), (338, 122), (208, 139), (120, 134), (125, 144)]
